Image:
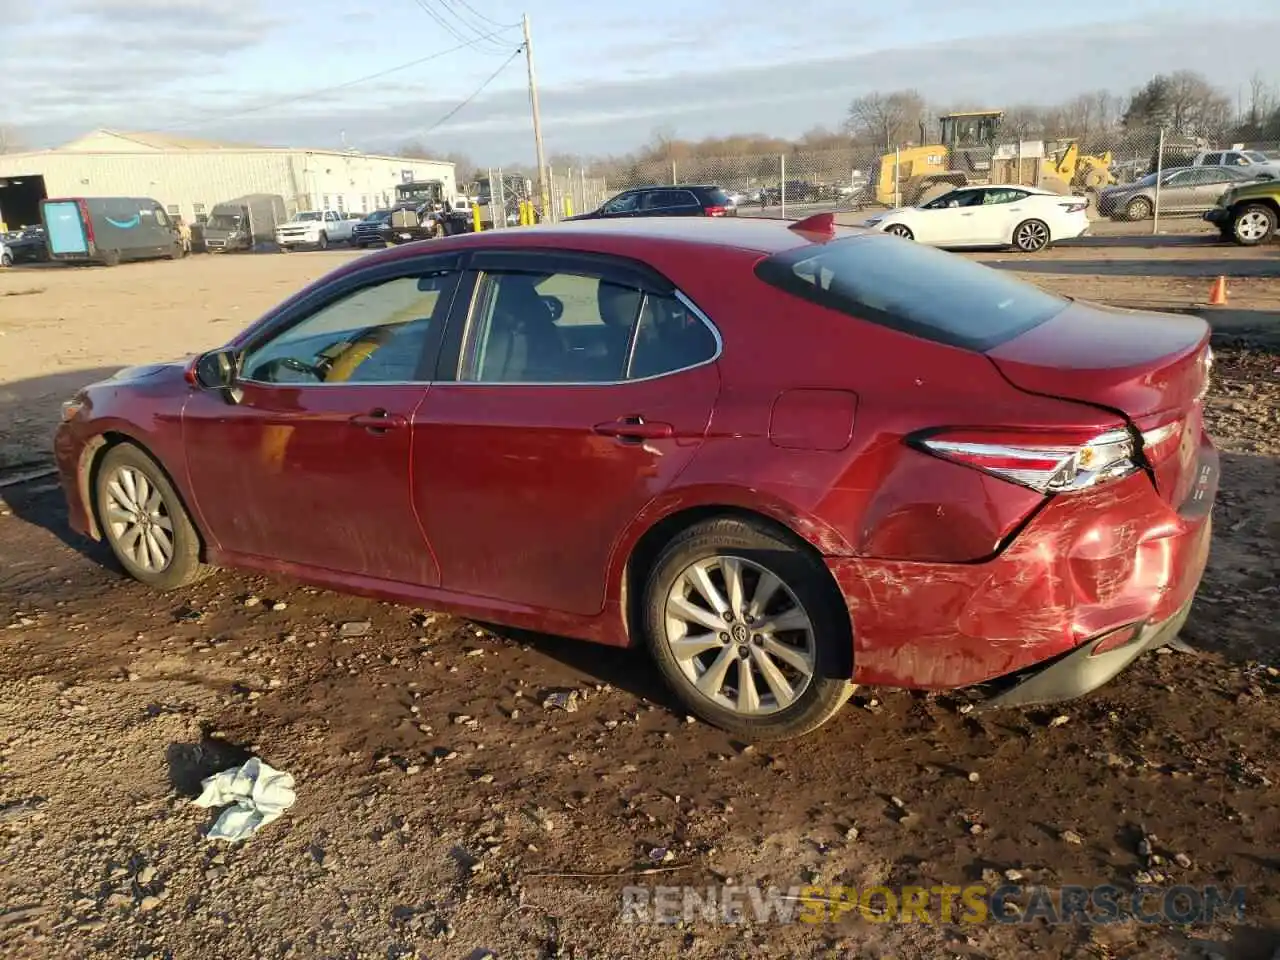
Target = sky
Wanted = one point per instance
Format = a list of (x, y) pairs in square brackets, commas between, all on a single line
[(264, 71)]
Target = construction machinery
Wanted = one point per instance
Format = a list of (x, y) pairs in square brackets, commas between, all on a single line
[(968, 153)]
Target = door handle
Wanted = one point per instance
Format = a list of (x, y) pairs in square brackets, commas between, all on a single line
[(378, 421), (634, 428)]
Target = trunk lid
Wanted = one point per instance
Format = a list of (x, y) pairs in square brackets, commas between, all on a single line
[(1151, 368)]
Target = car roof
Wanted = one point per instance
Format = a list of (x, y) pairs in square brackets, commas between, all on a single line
[(627, 237)]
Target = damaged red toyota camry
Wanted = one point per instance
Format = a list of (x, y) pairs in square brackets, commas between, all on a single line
[(784, 459)]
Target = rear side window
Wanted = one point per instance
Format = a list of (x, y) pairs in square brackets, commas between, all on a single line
[(715, 197), (913, 288)]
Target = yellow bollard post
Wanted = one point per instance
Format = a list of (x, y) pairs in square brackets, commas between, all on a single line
[(568, 205), (475, 218)]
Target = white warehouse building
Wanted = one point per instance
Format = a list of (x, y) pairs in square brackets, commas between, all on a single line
[(188, 177)]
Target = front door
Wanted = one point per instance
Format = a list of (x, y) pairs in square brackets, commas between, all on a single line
[(582, 391), (311, 467), (948, 219)]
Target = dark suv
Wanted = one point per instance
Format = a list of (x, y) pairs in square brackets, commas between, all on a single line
[(373, 229), (679, 200)]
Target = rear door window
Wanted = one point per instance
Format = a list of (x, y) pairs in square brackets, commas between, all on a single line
[(912, 288)]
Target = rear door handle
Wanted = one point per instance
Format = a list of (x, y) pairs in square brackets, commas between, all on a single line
[(634, 428), (378, 421)]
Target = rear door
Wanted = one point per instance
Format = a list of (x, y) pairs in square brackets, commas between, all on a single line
[(582, 386), (671, 203), (1003, 208)]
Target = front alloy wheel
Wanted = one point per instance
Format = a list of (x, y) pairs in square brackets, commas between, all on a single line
[(749, 629), (144, 521), (1253, 225)]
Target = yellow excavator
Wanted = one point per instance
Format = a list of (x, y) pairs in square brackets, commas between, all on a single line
[(967, 153)]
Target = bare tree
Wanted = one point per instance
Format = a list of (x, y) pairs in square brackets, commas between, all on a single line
[(1022, 122), (886, 118)]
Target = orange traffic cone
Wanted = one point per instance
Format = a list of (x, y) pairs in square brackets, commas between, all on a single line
[(1218, 293)]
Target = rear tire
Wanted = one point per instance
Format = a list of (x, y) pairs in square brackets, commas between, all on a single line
[(1031, 236), (784, 669), (144, 521), (6, 260), (111, 258), (1253, 224)]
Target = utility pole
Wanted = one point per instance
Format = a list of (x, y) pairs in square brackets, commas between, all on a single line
[(544, 193)]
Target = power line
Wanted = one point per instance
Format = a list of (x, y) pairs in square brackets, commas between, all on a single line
[(480, 89), (296, 98), (449, 7), (480, 16), (443, 24)]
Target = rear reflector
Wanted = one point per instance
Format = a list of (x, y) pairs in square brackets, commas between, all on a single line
[(1046, 461), (1114, 641)]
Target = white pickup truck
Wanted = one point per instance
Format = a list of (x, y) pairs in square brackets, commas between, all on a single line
[(315, 228), (1251, 162)]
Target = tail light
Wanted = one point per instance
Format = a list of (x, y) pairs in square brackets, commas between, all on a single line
[(1045, 461), (715, 211), (1075, 207), (1161, 442), (88, 221)]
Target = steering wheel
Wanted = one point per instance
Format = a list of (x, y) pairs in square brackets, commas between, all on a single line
[(272, 367), (556, 307)]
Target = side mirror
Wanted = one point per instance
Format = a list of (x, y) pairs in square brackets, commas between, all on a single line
[(219, 370)]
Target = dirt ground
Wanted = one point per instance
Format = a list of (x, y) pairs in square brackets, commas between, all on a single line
[(445, 811)]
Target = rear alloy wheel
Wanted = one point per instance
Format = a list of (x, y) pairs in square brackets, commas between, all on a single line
[(1137, 209), (900, 230), (144, 521), (1253, 225), (749, 630), (1031, 236)]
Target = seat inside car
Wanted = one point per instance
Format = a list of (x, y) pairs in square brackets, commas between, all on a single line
[(523, 344)]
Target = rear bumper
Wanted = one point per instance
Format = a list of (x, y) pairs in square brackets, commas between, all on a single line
[(1083, 670), (1084, 566)]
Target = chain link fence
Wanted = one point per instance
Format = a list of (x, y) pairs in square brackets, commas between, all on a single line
[(1129, 176)]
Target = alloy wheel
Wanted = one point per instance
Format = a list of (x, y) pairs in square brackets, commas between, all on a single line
[(138, 520), (899, 230), (739, 635), (1252, 226), (1031, 236)]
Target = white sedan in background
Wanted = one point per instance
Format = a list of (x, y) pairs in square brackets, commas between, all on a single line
[(1025, 218)]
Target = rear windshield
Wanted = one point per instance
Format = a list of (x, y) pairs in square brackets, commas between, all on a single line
[(715, 197), (913, 288)]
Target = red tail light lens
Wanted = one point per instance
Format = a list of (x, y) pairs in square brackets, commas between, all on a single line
[(1075, 207), (715, 211), (1045, 461), (1161, 442), (88, 221)]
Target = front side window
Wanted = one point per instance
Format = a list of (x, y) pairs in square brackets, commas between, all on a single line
[(376, 334), (1212, 159), (626, 203), (577, 328)]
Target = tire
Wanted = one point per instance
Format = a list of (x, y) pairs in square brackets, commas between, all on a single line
[(1139, 208), (1253, 224), (125, 476), (900, 230), (815, 666), (324, 241), (6, 260), (111, 258), (1031, 236)]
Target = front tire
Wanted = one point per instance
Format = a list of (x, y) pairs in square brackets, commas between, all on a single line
[(1253, 225), (900, 230), (144, 520), (1031, 236), (6, 260), (748, 629), (1138, 209), (323, 244)]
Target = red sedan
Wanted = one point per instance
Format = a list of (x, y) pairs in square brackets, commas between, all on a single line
[(785, 459)]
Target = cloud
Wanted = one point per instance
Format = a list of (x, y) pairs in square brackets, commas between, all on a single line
[(616, 111)]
